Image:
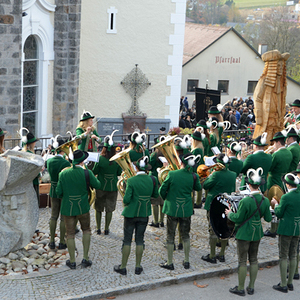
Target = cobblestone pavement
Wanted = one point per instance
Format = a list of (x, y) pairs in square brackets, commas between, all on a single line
[(101, 281)]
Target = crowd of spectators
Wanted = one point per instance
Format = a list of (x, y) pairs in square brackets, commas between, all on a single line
[(238, 112)]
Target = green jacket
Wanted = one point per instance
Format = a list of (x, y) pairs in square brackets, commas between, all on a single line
[(295, 150), (155, 163), (176, 190), (288, 211), (85, 139), (135, 156), (219, 182), (206, 146), (281, 161), (108, 173), (251, 230), (235, 165), (213, 141), (54, 166), (36, 180), (197, 151), (139, 190), (254, 161), (71, 188)]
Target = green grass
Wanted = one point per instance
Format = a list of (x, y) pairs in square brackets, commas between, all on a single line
[(258, 3)]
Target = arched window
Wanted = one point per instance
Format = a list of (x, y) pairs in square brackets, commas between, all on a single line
[(30, 84)]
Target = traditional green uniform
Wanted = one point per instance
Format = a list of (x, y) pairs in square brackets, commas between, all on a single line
[(295, 150), (177, 190), (281, 160), (249, 234), (135, 156), (197, 151), (288, 211), (235, 165), (257, 159), (54, 166), (85, 139)]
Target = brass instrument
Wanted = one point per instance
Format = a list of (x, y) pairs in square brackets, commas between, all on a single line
[(270, 149), (74, 146), (275, 192), (204, 171), (289, 115), (168, 150), (123, 160)]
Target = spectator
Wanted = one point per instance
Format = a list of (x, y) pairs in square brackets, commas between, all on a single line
[(232, 120), (237, 116), (244, 120), (188, 122), (182, 121), (186, 103), (181, 103)]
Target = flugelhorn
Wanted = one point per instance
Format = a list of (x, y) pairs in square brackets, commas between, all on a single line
[(168, 150), (270, 149), (204, 171), (123, 160)]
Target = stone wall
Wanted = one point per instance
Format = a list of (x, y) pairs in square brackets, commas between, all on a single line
[(66, 65), (10, 65)]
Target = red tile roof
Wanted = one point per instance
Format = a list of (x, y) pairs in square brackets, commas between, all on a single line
[(197, 37)]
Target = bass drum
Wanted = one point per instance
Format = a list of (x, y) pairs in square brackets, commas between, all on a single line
[(221, 225)]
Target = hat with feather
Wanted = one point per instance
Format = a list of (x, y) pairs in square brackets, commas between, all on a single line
[(108, 140), (197, 135), (261, 140), (182, 143), (291, 179), (56, 142), (2, 132), (234, 147), (28, 138), (254, 176), (190, 161), (143, 164), (222, 159), (86, 115)]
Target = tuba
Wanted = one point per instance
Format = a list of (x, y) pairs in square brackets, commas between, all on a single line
[(124, 161), (168, 150), (73, 144), (204, 171)]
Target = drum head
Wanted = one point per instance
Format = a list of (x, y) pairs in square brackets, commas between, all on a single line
[(221, 225)]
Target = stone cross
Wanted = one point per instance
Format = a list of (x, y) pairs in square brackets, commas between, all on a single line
[(135, 83)]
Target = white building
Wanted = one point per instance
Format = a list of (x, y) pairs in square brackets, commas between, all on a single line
[(222, 58)]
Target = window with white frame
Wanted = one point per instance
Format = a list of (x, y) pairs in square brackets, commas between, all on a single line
[(112, 14), (30, 84)]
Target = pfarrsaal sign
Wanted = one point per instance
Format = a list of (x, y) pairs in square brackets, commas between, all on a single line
[(227, 60)]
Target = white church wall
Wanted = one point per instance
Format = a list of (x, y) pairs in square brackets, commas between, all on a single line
[(142, 35)]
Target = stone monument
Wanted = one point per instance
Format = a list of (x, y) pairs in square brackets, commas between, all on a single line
[(135, 83), (19, 211)]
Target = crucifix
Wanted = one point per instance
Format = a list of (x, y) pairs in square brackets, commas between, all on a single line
[(135, 83), (207, 102)]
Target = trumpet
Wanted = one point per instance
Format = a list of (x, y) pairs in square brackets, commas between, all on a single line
[(286, 117), (204, 171), (270, 149)]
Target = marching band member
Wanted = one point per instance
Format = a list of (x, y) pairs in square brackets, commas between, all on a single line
[(292, 141), (296, 113), (201, 126), (157, 203), (281, 160), (218, 182), (72, 189), (54, 167), (139, 190), (258, 159), (235, 164), (178, 206), (87, 132), (214, 112), (28, 144), (288, 211), (107, 173), (138, 150), (216, 130), (198, 149), (2, 135), (249, 230)]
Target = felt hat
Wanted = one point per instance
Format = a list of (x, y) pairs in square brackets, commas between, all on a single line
[(213, 110), (159, 139), (108, 140), (202, 123), (197, 135), (79, 156), (138, 137), (291, 179), (254, 176), (292, 132), (182, 143), (2, 132), (57, 142), (86, 115), (143, 164), (296, 103), (221, 158), (190, 159), (234, 147), (279, 135), (261, 140), (162, 129)]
